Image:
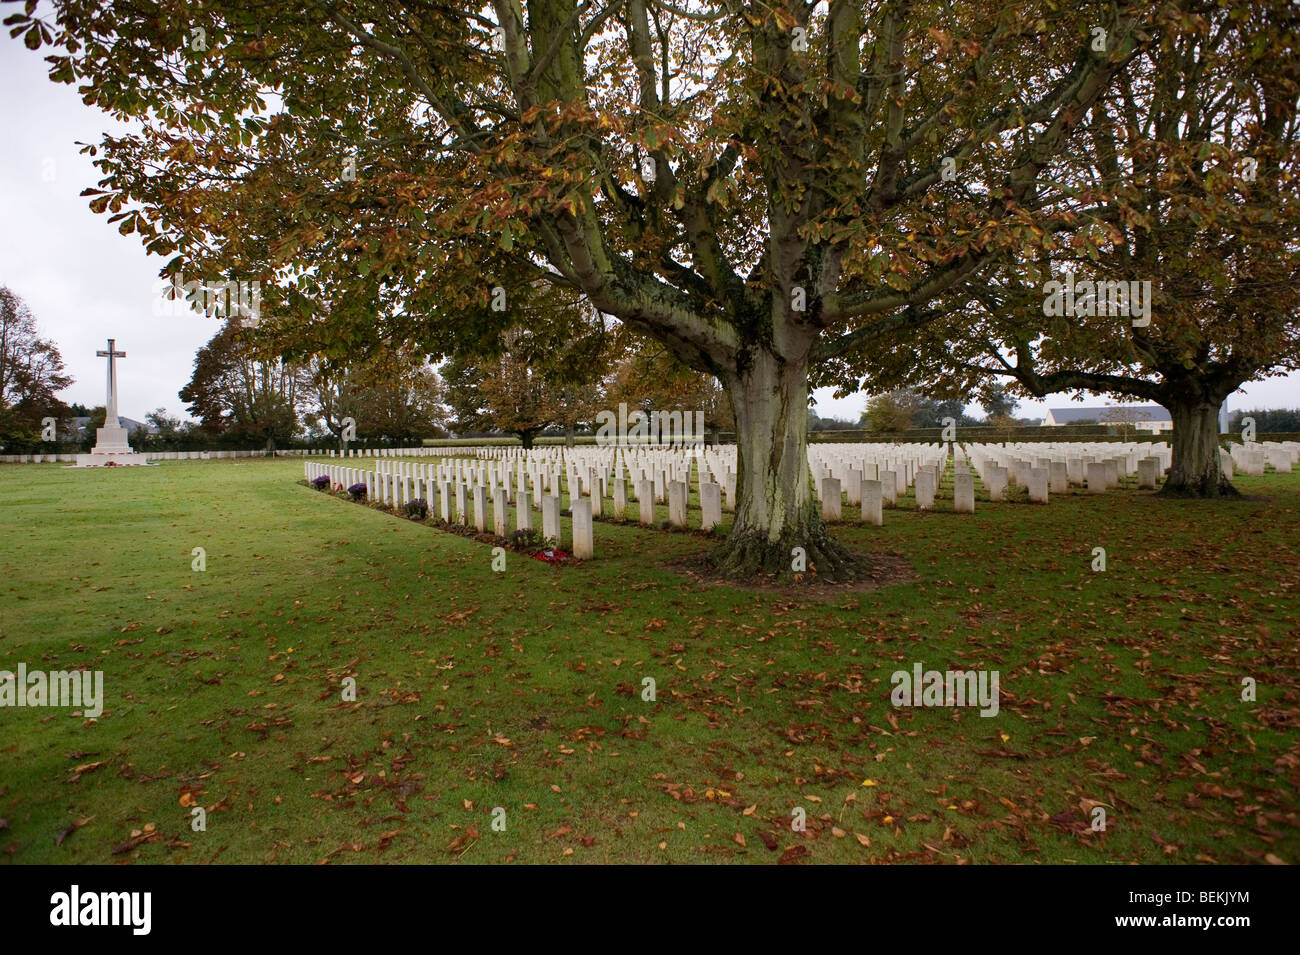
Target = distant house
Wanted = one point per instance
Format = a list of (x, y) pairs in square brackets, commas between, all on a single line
[(1153, 418)]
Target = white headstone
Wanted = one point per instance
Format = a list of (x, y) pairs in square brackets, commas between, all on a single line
[(872, 503), (551, 518), (831, 499), (1038, 482), (924, 489), (677, 497), (963, 492), (584, 541), (710, 505)]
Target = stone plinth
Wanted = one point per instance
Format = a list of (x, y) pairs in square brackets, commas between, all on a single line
[(111, 448)]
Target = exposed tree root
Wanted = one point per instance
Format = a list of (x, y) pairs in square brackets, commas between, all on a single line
[(751, 555), (1207, 489)]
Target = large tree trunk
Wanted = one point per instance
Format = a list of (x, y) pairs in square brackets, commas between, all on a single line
[(1195, 471), (526, 438), (776, 509)]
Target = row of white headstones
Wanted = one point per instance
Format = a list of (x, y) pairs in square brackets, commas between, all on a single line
[(866, 476)]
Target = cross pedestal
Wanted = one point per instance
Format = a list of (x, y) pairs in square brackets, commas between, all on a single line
[(111, 444)]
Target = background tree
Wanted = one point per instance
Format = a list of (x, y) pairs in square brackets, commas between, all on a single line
[(392, 396), (241, 395), (1267, 420), (761, 188), (649, 378), (331, 388), (169, 434), (1004, 423), (31, 373), (404, 405), (932, 412), (891, 412), (503, 393), (1185, 177), (551, 369), (996, 402), (818, 423)]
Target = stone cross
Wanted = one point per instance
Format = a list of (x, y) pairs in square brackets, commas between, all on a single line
[(110, 412)]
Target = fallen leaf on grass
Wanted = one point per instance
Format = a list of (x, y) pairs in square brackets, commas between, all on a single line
[(58, 839), (138, 838), (460, 845), (793, 854), (84, 768)]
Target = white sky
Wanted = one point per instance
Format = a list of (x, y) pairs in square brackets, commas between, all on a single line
[(85, 282)]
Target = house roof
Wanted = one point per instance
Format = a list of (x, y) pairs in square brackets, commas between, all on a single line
[(1140, 413), (81, 421)]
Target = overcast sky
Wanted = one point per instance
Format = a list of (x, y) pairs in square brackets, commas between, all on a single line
[(85, 282)]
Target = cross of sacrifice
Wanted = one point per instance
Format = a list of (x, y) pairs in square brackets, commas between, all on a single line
[(110, 407)]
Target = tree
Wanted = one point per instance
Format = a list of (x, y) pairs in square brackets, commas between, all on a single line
[(1126, 416), (764, 189), (818, 423), (891, 412), (1180, 278), (1274, 420), (996, 402), (404, 406), (1004, 423), (525, 385), (391, 395), (501, 394), (931, 412), (551, 368), (649, 378), (240, 394), (169, 433), (31, 372), (330, 389)]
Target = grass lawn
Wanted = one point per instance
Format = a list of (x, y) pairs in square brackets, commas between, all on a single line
[(523, 689)]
